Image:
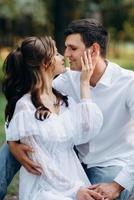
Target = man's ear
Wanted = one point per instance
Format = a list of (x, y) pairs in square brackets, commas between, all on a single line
[(95, 53), (95, 49)]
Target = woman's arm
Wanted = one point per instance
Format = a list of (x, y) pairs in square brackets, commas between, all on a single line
[(86, 115), (86, 73)]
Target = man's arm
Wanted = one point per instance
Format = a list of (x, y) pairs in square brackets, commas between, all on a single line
[(20, 152)]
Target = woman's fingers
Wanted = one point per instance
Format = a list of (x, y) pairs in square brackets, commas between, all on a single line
[(95, 195), (93, 187), (31, 166), (86, 61), (32, 170), (89, 60), (82, 64), (86, 67)]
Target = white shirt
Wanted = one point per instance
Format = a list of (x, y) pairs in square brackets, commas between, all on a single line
[(114, 145)]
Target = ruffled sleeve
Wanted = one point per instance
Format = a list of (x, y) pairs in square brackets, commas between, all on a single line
[(87, 120), (22, 124)]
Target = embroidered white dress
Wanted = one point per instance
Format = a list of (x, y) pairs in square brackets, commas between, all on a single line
[(53, 140)]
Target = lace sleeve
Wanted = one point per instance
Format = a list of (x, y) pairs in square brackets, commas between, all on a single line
[(51, 175), (87, 119), (22, 123)]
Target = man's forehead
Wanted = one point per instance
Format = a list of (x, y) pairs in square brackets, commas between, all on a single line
[(73, 40)]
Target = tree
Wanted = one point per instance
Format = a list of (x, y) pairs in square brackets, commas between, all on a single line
[(21, 18), (60, 14), (117, 16)]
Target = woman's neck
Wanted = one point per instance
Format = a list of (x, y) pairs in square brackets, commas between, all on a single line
[(48, 97), (47, 90)]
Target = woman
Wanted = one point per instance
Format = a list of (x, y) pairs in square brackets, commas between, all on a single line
[(48, 121)]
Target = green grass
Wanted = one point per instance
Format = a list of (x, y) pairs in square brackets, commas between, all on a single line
[(127, 63), (13, 189)]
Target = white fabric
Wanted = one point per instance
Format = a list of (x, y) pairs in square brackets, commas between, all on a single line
[(114, 94), (53, 140)]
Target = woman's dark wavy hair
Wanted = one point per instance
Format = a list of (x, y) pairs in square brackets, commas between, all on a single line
[(91, 31), (22, 70)]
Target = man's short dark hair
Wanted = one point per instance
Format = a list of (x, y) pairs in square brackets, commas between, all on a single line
[(91, 31)]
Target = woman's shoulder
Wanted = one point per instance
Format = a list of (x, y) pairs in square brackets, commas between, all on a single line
[(24, 103)]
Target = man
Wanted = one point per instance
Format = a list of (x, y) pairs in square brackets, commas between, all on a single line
[(107, 157), (112, 89)]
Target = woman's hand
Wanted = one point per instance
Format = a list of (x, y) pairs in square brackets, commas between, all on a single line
[(86, 73), (87, 68), (20, 152), (86, 194), (110, 191)]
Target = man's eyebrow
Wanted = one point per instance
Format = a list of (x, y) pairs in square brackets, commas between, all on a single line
[(70, 45)]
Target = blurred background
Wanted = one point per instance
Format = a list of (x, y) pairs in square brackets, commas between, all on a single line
[(22, 18)]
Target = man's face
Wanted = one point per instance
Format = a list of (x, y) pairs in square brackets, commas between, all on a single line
[(74, 49)]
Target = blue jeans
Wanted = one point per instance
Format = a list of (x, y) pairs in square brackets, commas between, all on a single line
[(8, 168), (105, 175)]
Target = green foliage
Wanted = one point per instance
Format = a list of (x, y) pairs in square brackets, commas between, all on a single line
[(15, 9), (21, 18), (124, 62), (32, 17), (116, 15)]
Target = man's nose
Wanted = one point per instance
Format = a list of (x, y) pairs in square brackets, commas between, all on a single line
[(67, 53)]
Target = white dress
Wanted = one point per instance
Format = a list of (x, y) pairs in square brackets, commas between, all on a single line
[(53, 140)]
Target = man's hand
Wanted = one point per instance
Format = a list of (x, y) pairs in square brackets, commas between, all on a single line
[(110, 191), (87, 194), (20, 152)]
